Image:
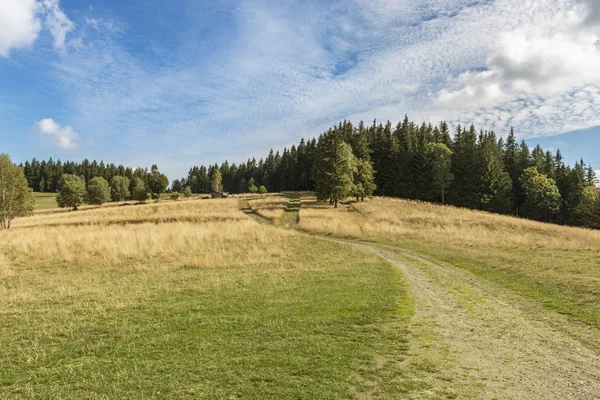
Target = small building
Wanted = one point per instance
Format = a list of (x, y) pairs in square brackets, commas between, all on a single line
[(220, 195)]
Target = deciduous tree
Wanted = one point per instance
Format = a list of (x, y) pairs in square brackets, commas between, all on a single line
[(16, 199), (71, 192), (98, 192)]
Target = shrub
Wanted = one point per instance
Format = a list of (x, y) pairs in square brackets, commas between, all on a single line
[(97, 191), (71, 191)]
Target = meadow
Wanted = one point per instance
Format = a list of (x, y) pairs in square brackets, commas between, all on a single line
[(557, 266), (195, 299), (281, 296)]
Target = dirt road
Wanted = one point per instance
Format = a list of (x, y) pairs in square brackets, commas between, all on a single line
[(481, 341), (487, 342)]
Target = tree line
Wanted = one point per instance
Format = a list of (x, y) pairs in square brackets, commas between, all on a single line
[(467, 168)]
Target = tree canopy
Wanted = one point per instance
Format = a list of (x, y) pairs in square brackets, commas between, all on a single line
[(16, 199)]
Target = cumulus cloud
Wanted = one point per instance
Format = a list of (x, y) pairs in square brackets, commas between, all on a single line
[(530, 63), (544, 78), (21, 22), (61, 137)]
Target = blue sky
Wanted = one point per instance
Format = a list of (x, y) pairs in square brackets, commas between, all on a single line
[(180, 83)]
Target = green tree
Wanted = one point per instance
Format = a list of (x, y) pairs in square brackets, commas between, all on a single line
[(334, 168), (441, 163), (588, 209), (16, 199), (98, 191), (363, 179), (187, 192), (251, 186), (140, 192), (216, 181), (119, 188), (71, 192), (157, 183), (542, 198)]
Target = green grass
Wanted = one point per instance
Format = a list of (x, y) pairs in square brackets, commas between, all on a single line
[(44, 201), (565, 294), (324, 324)]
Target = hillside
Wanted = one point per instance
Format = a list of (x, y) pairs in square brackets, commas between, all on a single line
[(282, 296)]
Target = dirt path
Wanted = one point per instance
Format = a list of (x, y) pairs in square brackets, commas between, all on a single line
[(490, 346), (485, 343)]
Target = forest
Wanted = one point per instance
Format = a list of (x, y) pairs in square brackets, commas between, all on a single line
[(468, 168)]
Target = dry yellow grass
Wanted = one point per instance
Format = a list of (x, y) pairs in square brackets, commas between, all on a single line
[(395, 219), (271, 207), (99, 303), (559, 264)]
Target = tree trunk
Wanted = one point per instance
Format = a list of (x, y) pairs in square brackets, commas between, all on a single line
[(443, 200), (336, 203)]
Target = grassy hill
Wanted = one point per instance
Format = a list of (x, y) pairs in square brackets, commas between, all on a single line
[(557, 266), (280, 296)]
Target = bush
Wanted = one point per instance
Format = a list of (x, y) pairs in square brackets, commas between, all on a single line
[(97, 191), (140, 193), (262, 189), (71, 191), (175, 196), (119, 188), (187, 192)]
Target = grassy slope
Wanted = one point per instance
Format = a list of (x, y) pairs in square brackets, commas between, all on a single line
[(556, 266), (44, 201), (227, 308)]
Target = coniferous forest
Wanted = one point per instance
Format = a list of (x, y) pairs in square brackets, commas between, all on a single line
[(465, 168)]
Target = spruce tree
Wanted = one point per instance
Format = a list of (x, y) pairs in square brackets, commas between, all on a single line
[(334, 168)]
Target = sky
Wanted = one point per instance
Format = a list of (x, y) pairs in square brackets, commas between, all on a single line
[(186, 82)]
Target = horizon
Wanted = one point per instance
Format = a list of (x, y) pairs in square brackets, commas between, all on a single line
[(200, 83)]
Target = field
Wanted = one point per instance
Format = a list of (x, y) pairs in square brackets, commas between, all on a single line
[(45, 201), (281, 296), (195, 299), (557, 266)]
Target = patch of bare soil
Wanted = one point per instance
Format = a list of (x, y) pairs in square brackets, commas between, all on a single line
[(487, 342)]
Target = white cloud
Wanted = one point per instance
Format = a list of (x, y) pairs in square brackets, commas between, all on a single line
[(21, 22), (290, 70), (61, 137), (56, 22), (543, 78)]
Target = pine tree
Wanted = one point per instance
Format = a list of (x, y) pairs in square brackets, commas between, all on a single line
[(334, 168)]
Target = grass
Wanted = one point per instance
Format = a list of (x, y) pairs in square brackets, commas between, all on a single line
[(44, 201), (194, 299), (559, 267)]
